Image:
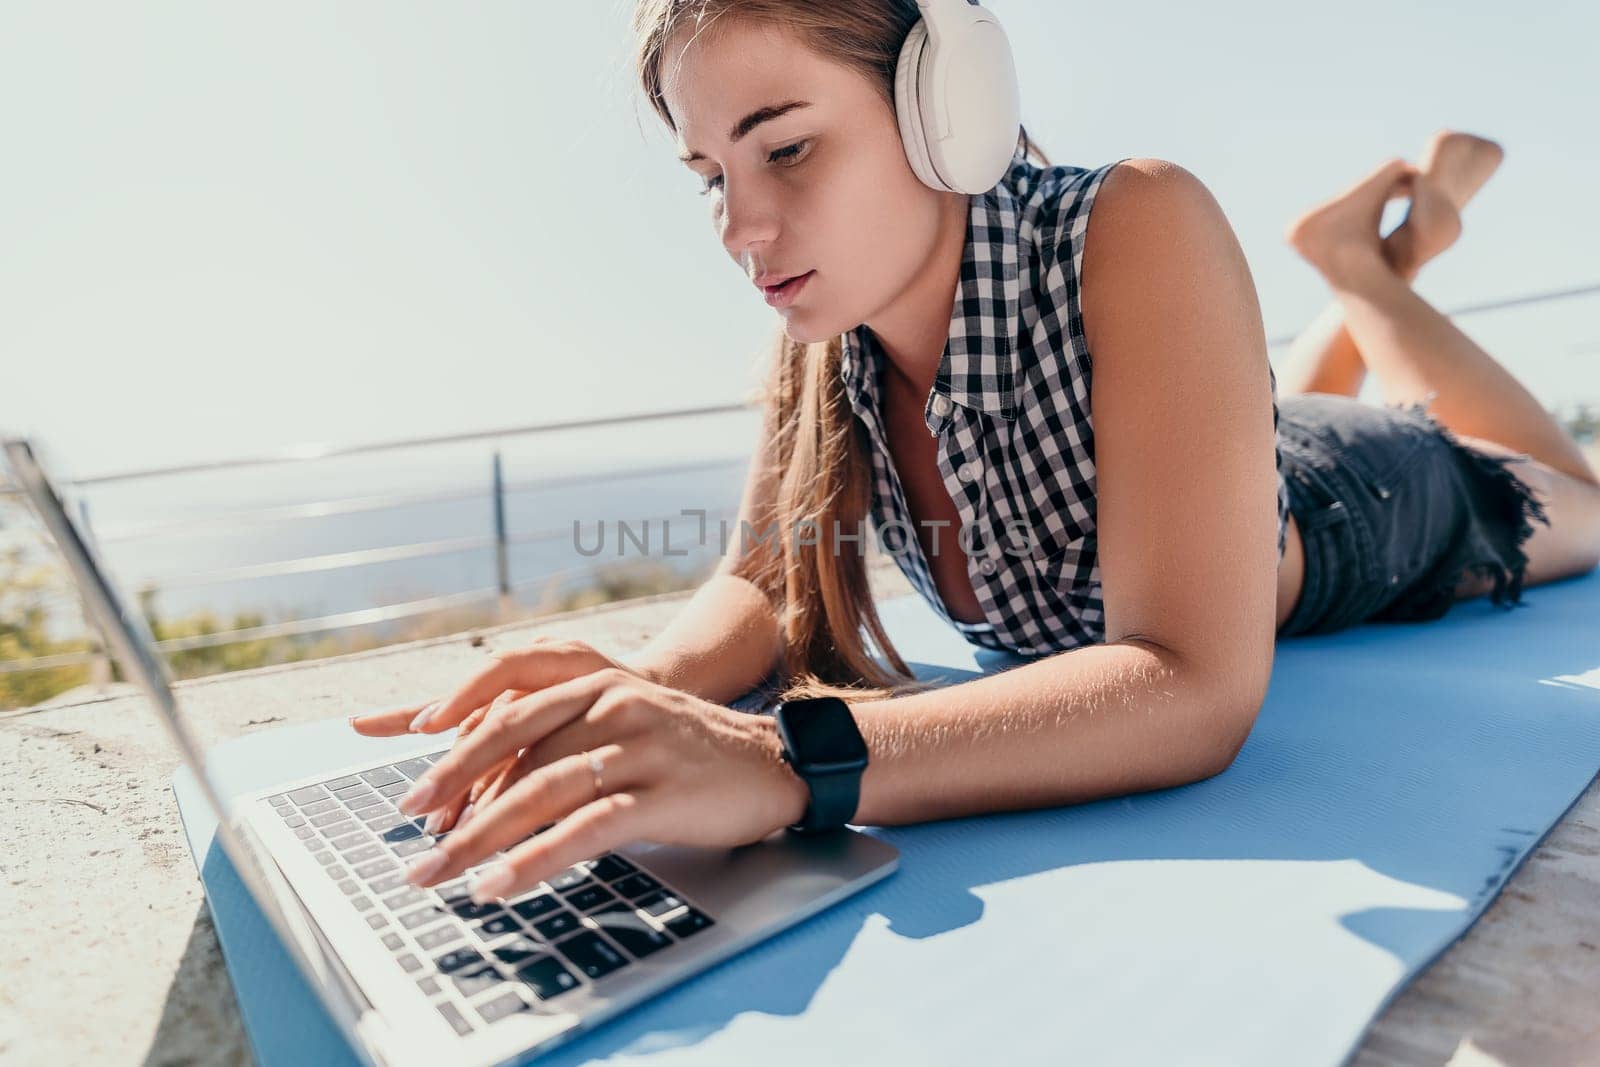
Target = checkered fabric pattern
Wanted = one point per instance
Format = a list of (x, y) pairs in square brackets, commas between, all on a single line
[(1010, 410)]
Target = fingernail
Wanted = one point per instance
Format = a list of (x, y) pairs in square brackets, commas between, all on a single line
[(466, 813), (420, 798), (426, 866), (351, 721), (423, 716), (434, 821), (492, 883)]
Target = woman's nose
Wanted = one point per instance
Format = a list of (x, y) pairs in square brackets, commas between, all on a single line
[(747, 221)]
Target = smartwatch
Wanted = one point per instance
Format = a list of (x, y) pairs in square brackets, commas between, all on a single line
[(823, 745)]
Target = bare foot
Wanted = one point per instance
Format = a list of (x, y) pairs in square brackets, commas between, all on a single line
[(1340, 236), (1431, 225), (1460, 163)]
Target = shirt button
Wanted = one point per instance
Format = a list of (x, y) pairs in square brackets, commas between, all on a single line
[(941, 405), (986, 566), (967, 472)]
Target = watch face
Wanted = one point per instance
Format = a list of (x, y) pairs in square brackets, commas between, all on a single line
[(821, 735)]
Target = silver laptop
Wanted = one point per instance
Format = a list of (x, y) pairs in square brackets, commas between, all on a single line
[(424, 975)]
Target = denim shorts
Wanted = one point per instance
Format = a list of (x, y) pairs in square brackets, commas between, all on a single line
[(1394, 511)]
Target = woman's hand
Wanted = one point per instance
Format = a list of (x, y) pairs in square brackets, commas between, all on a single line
[(546, 660), (673, 768)]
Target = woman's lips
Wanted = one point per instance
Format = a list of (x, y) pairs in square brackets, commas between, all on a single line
[(781, 296)]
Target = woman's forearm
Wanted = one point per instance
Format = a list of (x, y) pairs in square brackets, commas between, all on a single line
[(1101, 720), (720, 644)]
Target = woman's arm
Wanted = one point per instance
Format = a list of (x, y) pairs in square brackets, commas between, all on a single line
[(1186, 525)]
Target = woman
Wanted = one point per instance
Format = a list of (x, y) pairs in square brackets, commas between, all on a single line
[(934, 372)]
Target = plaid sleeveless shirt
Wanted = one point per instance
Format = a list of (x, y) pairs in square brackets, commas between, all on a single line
[(1010, 409)]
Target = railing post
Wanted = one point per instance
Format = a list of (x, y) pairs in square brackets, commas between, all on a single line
[(502, 559), (100, 665)]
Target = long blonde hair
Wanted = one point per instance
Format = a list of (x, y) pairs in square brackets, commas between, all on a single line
[(820, 448)]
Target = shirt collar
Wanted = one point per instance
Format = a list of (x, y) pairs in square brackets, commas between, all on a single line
[(980, 365)]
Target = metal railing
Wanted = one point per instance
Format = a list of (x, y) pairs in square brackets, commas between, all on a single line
[(499, 541)]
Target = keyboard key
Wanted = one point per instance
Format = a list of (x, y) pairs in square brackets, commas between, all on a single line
[(630, 930), (376, 867), (349, 887), (411, 848), (412, 768), (281, 801), (438, 937), (338, 829), (304, 833), (385, 821), (454, 1018), (593, 954), (562, 922), (324, 858), (590, 896), (502, 1006), (497, 925), (534, 907), (570, 878), (309, 795), (404, 899), (329, 818), (689, 922), (411, 920), (382, 776), (409, 963), (659, 904), (429, 986), (547, 977), (342, 783), (459, 960), (368, 803), (349, 841), (377, 920), (403, 832), (295, 821), (609, 868), (363, 853), (465, 908), (387, 882), (469, 983), (518, 951), (393, 942), (636, 885), (453, 891), (354, 789), (319, 807), (435, 757), (402, 786), (362, 903)]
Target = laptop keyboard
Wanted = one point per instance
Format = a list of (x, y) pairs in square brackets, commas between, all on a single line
[(479, 963)]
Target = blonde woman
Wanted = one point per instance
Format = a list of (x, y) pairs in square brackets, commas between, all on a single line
[(1139, 527)]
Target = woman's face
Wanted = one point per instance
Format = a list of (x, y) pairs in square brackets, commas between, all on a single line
[(822, 186)]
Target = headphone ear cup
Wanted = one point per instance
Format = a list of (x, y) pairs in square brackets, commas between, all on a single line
[(908, 106)]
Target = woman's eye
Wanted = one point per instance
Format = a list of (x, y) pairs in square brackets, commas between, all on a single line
[(775, 156)]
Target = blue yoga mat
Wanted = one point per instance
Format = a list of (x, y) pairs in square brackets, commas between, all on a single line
[(1396, 777)]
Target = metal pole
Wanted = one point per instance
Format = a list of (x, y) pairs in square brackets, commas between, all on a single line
[(502, 559), (100, 664)]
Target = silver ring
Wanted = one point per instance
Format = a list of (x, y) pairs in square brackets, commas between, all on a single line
[(596, 767)]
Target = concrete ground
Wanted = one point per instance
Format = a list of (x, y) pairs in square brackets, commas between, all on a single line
[(110, 956)]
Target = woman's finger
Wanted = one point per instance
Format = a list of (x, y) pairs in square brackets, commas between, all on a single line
[(596, 828), (536, 667), (505, 733), (386, 723), (543, 797)]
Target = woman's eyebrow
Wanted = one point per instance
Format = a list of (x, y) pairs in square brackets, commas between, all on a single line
[(750, 122)]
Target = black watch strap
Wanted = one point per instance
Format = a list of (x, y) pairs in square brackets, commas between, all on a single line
[(834, 798)]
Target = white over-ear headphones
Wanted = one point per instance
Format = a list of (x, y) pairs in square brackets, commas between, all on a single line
[(955, 90)]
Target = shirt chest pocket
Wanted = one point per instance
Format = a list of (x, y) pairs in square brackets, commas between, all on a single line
[(1067, 569)]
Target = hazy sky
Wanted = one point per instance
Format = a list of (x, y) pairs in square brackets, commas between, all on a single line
[(228, 228)]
